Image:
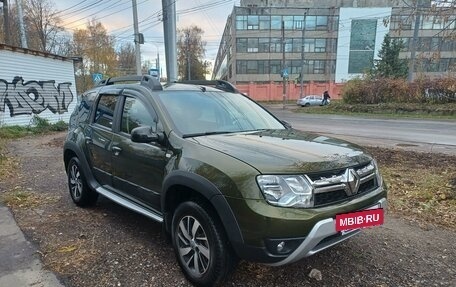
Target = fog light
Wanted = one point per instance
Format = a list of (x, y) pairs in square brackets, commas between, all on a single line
[(280, 246)]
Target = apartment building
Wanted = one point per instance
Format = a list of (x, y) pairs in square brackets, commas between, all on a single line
[(330, 41)]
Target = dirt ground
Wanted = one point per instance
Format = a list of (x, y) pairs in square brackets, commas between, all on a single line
[(108, 245)]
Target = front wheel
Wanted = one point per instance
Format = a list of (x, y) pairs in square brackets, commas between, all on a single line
[(200, 245), (81, 194)]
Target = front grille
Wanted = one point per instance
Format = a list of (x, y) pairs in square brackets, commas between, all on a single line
[(339, 185)]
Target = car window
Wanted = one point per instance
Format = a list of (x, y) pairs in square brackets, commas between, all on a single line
[(212, 112), (135, 114), (105, 110)]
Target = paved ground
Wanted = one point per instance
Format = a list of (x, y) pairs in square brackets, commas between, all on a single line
[(20, 264)]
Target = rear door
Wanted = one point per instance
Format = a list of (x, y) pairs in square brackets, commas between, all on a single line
[(99, 134), (138, 167)]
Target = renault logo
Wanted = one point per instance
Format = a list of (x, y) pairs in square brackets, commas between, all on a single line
[(352, 181)]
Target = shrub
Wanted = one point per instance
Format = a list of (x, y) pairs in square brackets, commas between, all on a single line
[(388, 90)]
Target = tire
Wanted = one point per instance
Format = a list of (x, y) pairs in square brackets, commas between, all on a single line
[(200, 245), (81, 194), (306, 105)]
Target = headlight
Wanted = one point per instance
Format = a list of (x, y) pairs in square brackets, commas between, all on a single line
[(286, 190), (377, 173)]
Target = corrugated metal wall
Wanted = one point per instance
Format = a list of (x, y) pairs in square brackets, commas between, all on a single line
[(35, 85)]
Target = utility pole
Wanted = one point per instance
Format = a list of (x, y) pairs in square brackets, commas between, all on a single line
[(188, 55), (302, 54), (169, 28), (21, 24), (6, 26), (416, 29), (284, 68), (138, 39)]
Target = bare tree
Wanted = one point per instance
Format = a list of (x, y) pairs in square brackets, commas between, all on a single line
[(43, 25), (126, 58)]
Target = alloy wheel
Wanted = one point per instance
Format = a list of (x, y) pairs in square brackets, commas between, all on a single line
[(193, 245), (75, 182)]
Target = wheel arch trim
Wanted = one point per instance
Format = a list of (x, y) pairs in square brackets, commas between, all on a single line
[(210, 192)]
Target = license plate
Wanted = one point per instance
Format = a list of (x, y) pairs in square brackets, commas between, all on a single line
[(360, 219)]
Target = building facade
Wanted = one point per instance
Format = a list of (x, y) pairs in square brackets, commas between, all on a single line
[(329, 41)]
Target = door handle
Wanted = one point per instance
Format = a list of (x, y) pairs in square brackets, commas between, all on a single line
[(116, 150), (88, 140)]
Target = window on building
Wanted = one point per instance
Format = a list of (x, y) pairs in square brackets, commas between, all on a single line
[(322, 22), (252, 45), (252, 22), (263, 67), (319, 67), (275, 45), (288, 22), (298, 22), (424, 44), (263, 45), (241, 22), (241, 45), (288, 45), (311, 22), (265, 22), (252, 67), (320, 45), (276, 22), (448, 44), (241, 67), (275, 66), (297, 45), (309, 45)]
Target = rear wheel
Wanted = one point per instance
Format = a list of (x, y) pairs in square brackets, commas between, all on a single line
[(201, 245), (81, 194)]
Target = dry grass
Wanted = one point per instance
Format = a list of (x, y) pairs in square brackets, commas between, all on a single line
[(18, 198), (422, 186)]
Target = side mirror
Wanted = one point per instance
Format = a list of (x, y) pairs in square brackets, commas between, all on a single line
[(143, 134)]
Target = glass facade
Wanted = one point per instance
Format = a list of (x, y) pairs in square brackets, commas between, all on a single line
[(362, 45)]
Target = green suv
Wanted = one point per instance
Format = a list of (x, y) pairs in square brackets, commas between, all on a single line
[(226, 178)]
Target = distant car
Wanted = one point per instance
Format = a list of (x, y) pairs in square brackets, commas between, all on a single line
[(312, 100)]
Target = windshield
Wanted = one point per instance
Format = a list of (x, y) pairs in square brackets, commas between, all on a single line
[(200, 113)]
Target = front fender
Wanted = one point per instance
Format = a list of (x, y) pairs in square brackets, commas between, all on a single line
[(210, 192)]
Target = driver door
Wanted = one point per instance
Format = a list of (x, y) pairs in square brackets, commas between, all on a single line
[(138, 167)]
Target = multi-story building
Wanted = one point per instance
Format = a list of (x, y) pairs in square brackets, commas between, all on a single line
[(330, 41)]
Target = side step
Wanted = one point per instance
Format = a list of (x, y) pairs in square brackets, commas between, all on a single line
[(128, 204)]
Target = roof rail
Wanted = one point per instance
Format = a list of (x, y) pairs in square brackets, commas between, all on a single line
[(218, 84), (145, 80)]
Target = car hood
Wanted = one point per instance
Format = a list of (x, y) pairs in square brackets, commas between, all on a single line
[(286, 151)]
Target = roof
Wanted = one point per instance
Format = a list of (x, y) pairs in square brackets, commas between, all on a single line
[(35, 53)]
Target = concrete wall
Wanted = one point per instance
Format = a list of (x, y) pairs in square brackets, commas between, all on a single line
[(273, 91), (35, 83)]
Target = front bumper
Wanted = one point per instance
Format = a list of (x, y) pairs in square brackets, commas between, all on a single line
[(323, 235)]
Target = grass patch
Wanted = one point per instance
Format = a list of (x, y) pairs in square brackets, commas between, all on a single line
[(438, 111), (421, 186), (19, 198)]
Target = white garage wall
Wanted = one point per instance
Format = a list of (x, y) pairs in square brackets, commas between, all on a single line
[(35, 85)]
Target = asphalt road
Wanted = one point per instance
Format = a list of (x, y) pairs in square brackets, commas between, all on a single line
[(413, 134)]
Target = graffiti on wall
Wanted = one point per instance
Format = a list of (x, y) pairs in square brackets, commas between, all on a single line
[(33, 97)]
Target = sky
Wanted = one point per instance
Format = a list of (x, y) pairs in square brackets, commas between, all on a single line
[(117, 17)]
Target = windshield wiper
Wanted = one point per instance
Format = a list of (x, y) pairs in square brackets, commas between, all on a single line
[(207, 134)]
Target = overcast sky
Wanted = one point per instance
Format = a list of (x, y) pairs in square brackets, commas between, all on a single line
[(117, 17)]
